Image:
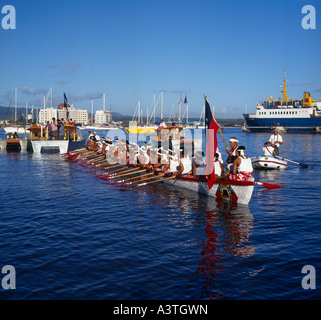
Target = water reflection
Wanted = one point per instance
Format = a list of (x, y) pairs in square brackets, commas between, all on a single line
[(225, 230)]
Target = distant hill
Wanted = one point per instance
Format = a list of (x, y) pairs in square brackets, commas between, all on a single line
[(6, 113)]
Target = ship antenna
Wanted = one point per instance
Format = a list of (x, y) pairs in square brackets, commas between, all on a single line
[(285, 97)]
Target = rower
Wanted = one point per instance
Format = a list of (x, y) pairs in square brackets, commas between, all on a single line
[(185, 164), (218, 167), (233, 152), (155, 161), (97, 138), (199, 165), (143, 156), (242, 168), (268, 150), (173, 162), (275, 141)]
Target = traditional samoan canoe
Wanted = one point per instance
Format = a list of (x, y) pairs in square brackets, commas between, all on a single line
[(269, 163), (232, 191)]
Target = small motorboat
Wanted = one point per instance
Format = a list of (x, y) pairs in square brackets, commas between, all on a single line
[(268, 162)]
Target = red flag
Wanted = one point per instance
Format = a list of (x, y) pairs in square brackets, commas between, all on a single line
[(211, 127)]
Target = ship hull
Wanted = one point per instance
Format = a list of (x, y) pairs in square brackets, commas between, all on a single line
[(293, 125)]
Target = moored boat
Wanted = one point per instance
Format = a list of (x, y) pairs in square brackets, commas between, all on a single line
[(40, 143), (15, 129), (13, 145), (264, 162), (293, 115), (140, 129)]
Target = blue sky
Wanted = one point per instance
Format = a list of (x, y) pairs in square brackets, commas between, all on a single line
[(235, 52)]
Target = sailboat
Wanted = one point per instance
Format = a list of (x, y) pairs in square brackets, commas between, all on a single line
[(14, 128), (134, 128)]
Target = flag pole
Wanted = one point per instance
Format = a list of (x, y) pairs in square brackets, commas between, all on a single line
[(219, 128)]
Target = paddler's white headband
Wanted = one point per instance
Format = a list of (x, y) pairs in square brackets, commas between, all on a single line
[(233, 140)]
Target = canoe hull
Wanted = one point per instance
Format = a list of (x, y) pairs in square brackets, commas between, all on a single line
[(231, 191), (269, 163)]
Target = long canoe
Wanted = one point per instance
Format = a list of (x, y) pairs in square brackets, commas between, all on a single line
[(232, 191)]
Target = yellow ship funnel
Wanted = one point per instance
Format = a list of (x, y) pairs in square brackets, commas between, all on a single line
[(307, 101)]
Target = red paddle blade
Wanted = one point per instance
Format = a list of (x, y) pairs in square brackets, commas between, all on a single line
[(268, 185)]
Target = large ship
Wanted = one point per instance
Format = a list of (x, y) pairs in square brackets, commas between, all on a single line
[(288, 115)]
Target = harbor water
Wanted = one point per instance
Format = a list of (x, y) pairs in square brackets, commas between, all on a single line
[(70, 235)]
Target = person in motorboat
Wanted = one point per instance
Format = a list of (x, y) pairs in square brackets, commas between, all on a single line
[(242, 167), (275, 141), (268, 150)]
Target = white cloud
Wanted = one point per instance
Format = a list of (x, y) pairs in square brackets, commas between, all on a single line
[(71, 68), (33, 91)]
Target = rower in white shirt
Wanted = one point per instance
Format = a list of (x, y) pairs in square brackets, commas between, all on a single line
[(275, 141)]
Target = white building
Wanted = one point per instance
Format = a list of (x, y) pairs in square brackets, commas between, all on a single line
[(47, 115), (77, 115), (102, 116)]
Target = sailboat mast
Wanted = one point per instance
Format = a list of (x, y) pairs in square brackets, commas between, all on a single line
[(154, 107), (51, 97), (162, 104), (92, 111), (16, 107), (26, 112), (187, 114), (147, 116)]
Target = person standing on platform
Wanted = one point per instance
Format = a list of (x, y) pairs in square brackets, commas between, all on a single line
[(54, 128), (275, 141), (61, 130)]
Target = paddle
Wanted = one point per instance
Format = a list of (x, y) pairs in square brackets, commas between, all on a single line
[(130, 180), (108, 172), (117, 175), (146, 183), (268, 185), (74, 151), (121, 170), (303, 165), (98, 169)]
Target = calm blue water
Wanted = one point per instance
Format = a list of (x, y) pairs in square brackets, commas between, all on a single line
[(72, 236)]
